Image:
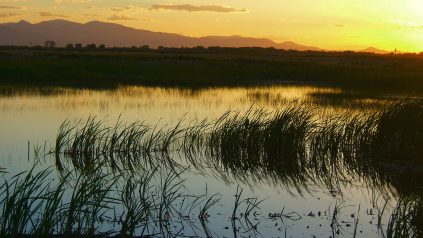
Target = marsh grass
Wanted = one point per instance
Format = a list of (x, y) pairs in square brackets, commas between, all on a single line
[(122, 147), (35, 204), (93, 203), (81, 204), (288, 147), (260, 142), (406, 219), (19, 196), (223, 67), (399, 134)]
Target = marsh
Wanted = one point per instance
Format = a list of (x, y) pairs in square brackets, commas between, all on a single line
[(168, 161)]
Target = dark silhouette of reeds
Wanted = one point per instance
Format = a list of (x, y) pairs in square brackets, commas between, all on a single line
[(109, 68), (288, 147)]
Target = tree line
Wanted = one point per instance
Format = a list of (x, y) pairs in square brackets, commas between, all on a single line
[(200, 49)]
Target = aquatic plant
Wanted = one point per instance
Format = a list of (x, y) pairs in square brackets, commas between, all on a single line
[(288, 146), (406, 219), (33, 203), (399, 132)]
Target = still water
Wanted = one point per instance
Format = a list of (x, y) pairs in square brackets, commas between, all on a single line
[(30, 120)]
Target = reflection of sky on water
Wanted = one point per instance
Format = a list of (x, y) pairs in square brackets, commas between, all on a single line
[(29, 116)]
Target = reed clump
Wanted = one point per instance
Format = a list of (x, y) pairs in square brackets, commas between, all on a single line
[(407, 218), (262, 145), (122, 147), (90, 204), (399, 134), (289, 146), (33, 203)]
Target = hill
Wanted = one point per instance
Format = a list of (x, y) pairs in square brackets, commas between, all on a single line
[(110, 34)]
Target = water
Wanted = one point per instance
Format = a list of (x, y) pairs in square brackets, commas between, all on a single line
[(35, 116)]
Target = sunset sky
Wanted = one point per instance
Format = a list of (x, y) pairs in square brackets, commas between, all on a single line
[(328, 24)]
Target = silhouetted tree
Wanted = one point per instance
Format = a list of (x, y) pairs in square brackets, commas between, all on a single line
[(91, 46), (69, 46), (49, 44), (145, 47), (102, 46), (78, 45)]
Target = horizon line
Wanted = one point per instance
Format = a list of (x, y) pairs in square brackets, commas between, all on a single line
[(205, 36)]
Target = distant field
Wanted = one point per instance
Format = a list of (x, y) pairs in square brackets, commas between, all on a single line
[(199, 67)]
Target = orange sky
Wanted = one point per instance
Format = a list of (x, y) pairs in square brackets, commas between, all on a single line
[(328, 24)]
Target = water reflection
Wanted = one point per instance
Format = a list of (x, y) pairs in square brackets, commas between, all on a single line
[(125, 98), (284, 147), (288, 139)]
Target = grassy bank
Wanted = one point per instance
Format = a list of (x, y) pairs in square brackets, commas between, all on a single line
[(108, 68)]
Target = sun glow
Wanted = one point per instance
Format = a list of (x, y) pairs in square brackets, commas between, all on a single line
[(328, 24), (416, 8)]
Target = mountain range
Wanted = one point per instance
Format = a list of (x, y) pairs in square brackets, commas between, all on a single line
[(375, 50), (63, 32)]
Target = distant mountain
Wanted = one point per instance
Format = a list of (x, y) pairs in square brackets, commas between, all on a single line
[(64, 32), (375, 50)]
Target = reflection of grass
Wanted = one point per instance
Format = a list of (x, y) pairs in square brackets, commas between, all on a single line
[(82, 203), (32, 204), (399, 134), (98, 203), (352, 99), (260, 143), (286, 146), (289, 137), (111, 68), (407, 218), (122, 147), (335, 220)]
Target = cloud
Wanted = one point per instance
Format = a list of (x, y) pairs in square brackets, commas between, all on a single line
[(12, 14), (193, 8), (49, 14), (9, 7), (122, 9), (340, 25), (72, 1), (120, 17), (123, 13)]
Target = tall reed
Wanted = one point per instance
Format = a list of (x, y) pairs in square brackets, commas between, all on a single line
[(288, 145)]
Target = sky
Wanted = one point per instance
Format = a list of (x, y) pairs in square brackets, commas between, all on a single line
[(328, 24)]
